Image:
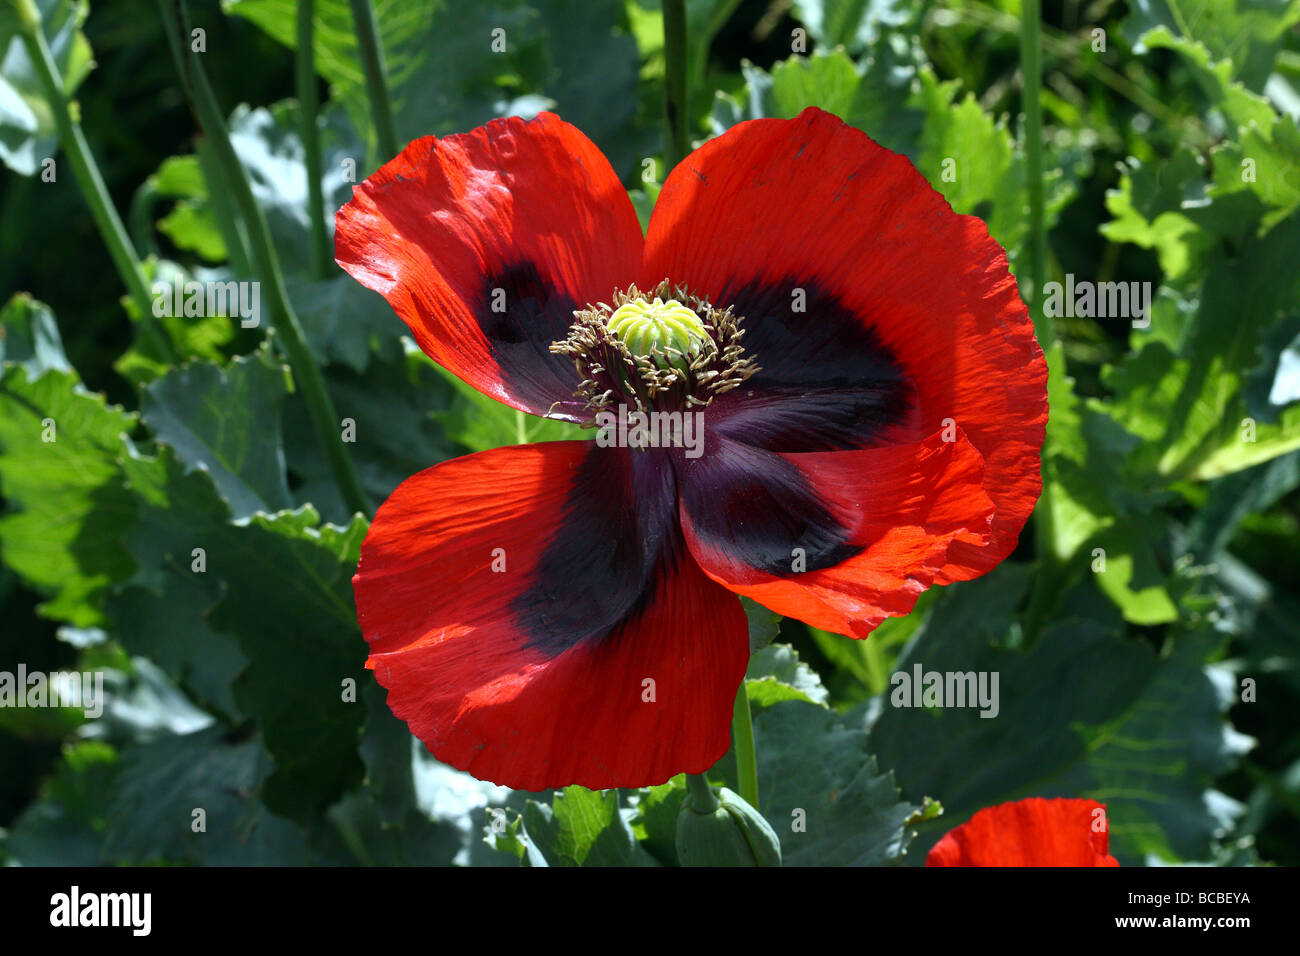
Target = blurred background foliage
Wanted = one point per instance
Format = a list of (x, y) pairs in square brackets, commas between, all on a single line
[(1125, 684)]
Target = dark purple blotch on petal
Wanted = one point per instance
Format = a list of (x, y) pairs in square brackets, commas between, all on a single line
[(825, 382), (618, 538), (754, 508), (521, 314)]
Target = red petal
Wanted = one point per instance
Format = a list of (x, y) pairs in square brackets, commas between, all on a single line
[(899, 510), (773, 206), (1033, 832), (528, 207), (535, 677)]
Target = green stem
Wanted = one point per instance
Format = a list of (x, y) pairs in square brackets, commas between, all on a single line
[(742, 733), (703, 799), (88, 176), (1031, 74), (1045, 590), (676, 100), (351, 839), (140, 215), (267, 264), (703, 34), (877, 668), (232, 230), (372, 60), (308, 104)]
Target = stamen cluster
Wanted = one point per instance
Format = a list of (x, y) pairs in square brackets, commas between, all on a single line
[(660, 377)]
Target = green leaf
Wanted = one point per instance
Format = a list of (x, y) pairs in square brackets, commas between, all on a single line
[(346, 323), (67, 507), (363, 837), (1131, 577), (1265, 619), (180, 176), (643, 200), (28, 131), (171, 628), (301, 623), (194, 228), (270, 149), (1189, 407), (337, 56), (1095, 506), (979, 167), (1188, 389), (65, 825), (394, 411), (1259, 163), (431, 94), (29, 337), (228, 422), (1234, 497), (606, 110), (655, 823), (192, 337), (582, 828), (282, 590), (862, 666), (1274, 383), (140, 702), (1085, 712), (162, 784), (192, 223), (162, 611), (822, 792), (1264, 164), (852, 23), (1152, 209), (386, 750), (872, 94), (1246, 33), (775, 674), (508, 837), (764, 625), (478, 422), (1216, 77), (551, 49)]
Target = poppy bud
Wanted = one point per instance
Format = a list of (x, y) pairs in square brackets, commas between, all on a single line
[(730, 833)]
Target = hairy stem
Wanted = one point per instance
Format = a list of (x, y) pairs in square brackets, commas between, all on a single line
[(308, 105), (84, 167), (677, 109), (372, 60), (742, 733), (264, 259)]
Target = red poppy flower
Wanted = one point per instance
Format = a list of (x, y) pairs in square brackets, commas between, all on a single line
[(1033, 832), (874, 399)]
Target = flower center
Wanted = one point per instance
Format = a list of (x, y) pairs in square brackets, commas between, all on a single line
[(667, 332), (663, 350)]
